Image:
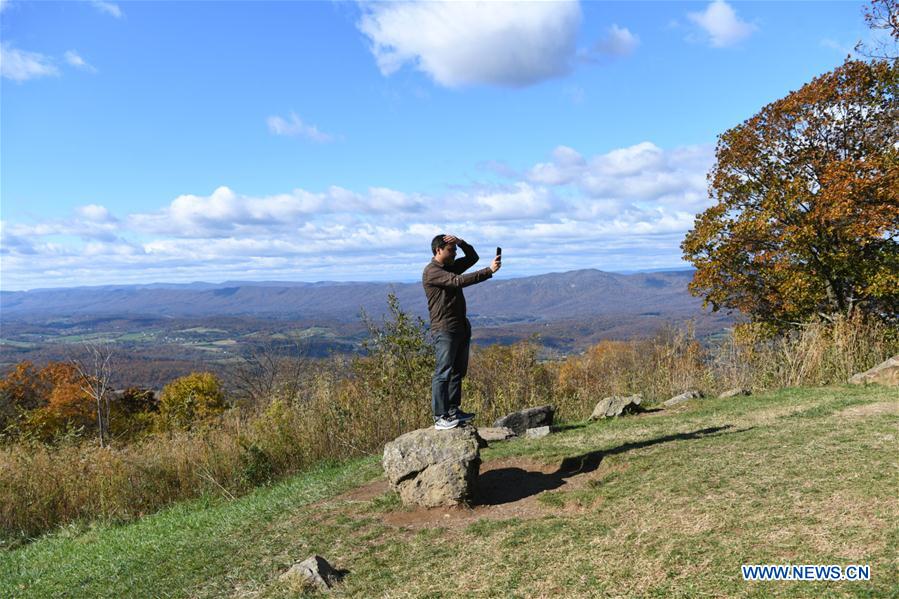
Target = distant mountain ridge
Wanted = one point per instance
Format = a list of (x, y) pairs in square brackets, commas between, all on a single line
[(542, 298)]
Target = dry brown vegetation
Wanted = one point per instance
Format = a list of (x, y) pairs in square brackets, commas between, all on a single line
[(349, 407)]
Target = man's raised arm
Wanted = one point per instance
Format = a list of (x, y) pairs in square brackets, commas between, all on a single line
[(462, 264), (441, 278)]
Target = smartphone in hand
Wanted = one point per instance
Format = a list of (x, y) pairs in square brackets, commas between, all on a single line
[(499, 253)]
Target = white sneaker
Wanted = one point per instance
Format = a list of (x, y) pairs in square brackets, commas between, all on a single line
[(446, 422)]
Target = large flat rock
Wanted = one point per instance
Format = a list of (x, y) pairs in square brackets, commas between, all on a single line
[(434, 468)]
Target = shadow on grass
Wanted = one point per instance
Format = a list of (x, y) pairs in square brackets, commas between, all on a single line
[(568, 427), (505, 485)]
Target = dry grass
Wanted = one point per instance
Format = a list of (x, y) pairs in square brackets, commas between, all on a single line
[(349, 408), (815, 354), (676, 503)]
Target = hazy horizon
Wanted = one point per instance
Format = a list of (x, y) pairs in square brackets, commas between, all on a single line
[(326, 281)]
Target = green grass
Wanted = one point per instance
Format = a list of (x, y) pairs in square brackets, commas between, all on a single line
[(669, 504)]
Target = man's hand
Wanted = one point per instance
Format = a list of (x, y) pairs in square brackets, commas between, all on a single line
[(496, 264), (452, 239)]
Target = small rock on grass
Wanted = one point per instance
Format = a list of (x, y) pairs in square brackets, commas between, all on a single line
[(685, 396), (524, 419), (537, 432), (617, 405), (313, 572)]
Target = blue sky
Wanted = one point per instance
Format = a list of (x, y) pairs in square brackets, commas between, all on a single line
[(184, 141)]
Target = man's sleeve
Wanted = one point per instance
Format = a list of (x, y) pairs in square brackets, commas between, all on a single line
[(466, 262), (441, 278)]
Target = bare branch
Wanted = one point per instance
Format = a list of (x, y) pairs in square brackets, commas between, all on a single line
[(94, 367)]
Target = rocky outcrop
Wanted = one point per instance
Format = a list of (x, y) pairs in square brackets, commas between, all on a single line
[(886, 373), (736, 392), (434, 468), (610, 407), (685, 396), (522, 420)]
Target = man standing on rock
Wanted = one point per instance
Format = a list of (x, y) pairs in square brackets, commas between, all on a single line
[(443, 282)]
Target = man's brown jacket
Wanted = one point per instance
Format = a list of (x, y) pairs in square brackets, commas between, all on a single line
[(443, 287)]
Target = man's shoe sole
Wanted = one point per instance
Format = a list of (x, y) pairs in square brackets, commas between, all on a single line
[(447, 427)]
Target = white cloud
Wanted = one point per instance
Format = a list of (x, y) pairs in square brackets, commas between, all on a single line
[(567, 164), (620, 209), (628, 161), (91, 222), (522, 202), (95, 213), (295, 127), (111, 248), (74, 59), (225, 213), (722, 24), (618, 41), (642, 173), (465, 43), (109, 8), (21, 65), (381, 199)]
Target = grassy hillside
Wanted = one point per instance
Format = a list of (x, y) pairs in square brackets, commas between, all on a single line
[(665, 504)]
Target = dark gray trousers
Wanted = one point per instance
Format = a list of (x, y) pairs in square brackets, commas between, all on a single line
[(452, 365)]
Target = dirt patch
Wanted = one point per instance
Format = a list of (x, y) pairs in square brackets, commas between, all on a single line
[(870, 409), (507, 488), (366, 492), (768, 416), (511, 487)]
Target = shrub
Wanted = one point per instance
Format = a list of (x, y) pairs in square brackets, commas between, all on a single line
[(189, 400), (503, 379), (665, 365)]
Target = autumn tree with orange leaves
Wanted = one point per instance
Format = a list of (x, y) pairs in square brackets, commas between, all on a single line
[(48, 402), (807, 204)]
